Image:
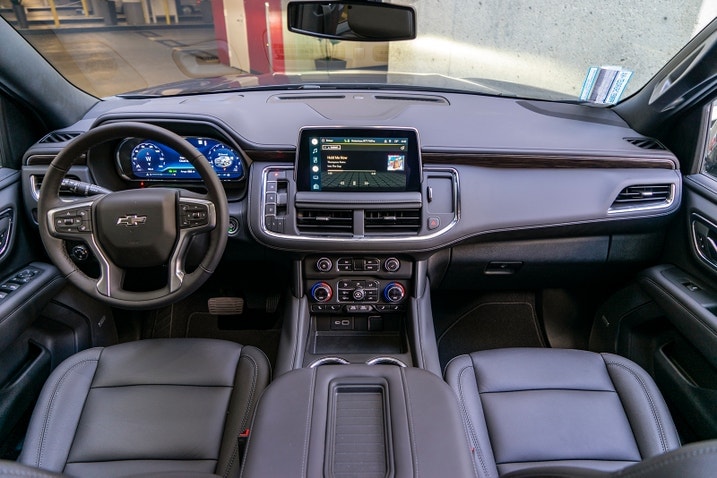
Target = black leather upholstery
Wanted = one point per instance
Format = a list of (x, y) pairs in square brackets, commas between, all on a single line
[(531, 408), (148, 406)]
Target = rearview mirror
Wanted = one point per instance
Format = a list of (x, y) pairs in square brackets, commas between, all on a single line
[(352, 20)]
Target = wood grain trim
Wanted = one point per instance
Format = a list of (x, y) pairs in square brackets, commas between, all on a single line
[(548, 161), (523, 161)]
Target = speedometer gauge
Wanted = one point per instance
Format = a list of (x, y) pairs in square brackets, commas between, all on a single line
[(147, 158), (222, 157)]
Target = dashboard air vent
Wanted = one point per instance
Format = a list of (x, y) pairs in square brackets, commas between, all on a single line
[(324, 221), (646, 143), (392, 221), (643, 196), (413, 98), (59, 137)]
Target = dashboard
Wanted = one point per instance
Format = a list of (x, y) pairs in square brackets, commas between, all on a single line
[(369, 173)]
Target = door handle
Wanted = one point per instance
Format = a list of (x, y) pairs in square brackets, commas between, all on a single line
[(6, 220), (704, 238)]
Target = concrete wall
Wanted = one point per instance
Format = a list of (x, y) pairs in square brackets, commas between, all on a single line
[(520, 43)]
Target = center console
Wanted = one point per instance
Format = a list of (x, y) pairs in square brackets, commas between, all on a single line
[(358, 209), (351, 420), (358, 305), (358, 376)]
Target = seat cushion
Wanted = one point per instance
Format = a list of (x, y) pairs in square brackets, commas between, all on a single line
[(147, 406), (527, 408)]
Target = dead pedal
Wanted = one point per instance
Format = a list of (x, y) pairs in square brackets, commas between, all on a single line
[(226, 305)]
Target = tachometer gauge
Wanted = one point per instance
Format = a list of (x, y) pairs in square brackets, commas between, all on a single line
[(147, 158), (222, 157)]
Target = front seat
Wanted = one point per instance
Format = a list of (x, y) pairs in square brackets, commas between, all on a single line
[(150, 406), (530, 409)]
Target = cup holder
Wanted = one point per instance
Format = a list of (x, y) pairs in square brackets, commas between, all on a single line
[(386, 361), (329, 361)]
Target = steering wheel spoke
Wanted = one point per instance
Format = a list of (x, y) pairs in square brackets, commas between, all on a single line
[(72, 221), (111, 275), (196, 215)]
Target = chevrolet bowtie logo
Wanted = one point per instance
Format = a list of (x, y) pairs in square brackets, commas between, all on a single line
[(131, 220)]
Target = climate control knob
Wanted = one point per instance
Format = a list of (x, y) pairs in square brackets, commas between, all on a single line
[(394, 292), (321, 292)]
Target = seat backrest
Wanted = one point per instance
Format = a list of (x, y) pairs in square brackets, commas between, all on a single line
[(147, 406)]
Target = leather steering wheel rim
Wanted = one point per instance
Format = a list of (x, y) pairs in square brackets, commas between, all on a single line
[(49, 203)]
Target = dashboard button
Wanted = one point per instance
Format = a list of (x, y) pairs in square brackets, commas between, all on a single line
[(392, 264), (270, 186)]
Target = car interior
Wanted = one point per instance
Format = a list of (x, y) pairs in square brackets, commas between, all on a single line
[(338, 279)]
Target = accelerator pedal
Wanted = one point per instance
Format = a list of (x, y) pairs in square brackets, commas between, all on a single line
[(226, 305), (272, 302)]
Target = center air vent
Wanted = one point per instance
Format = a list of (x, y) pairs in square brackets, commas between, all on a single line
[(643, 196), (326, 221), (59, 137), (392, 221)]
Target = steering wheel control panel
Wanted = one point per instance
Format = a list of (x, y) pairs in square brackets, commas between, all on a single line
[(357, 284)]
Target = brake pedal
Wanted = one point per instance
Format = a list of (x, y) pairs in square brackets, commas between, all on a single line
[(226, 305)]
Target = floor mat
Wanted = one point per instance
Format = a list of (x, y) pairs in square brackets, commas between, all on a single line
[(488, 322), (191, 318), (205, 325)]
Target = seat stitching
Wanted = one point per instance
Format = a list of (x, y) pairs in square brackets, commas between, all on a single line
[(409, 415), (471, 428), (653, 408), (307, 434), (51, 406), (678, 457), (235, 450)]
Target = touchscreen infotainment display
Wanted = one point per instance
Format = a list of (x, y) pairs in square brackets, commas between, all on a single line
[(371, 160)]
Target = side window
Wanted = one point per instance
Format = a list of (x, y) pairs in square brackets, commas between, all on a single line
[(709, 164)]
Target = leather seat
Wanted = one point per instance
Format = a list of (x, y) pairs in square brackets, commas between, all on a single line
[(533, 409), (151, 406)]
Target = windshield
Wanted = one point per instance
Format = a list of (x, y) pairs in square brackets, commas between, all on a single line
[(544, 50)]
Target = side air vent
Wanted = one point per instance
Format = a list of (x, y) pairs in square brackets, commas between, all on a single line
[(326, 221), (60, 137), (651, 196), (392, 221), (646, 143)]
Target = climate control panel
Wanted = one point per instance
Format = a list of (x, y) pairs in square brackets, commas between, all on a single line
[(357, 284)]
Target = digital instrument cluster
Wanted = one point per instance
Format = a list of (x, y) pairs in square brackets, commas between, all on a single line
[(142, 159)]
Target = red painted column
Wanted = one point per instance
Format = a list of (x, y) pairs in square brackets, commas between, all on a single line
[(220, 30), (258, 35)]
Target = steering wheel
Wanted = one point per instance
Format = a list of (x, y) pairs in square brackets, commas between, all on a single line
[(136, 227)]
